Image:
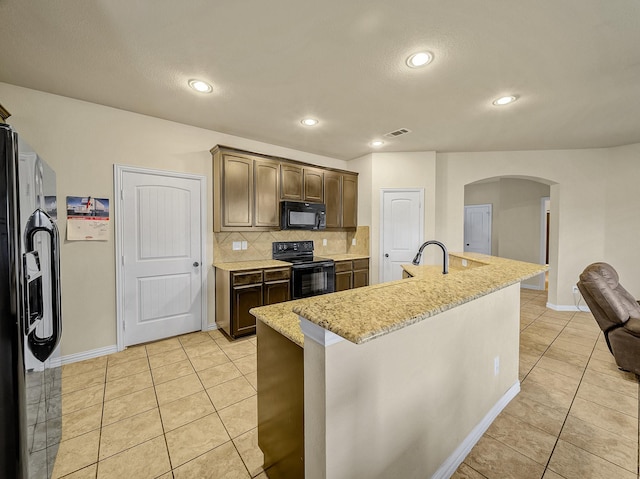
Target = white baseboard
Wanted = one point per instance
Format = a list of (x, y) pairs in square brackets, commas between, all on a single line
[(95, 353), (568, 307), (451, 464), (74, 358), (531, 286)]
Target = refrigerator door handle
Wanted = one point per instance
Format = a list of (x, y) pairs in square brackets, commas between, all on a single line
[(40, 221)]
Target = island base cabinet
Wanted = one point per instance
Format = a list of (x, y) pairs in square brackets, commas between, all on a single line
[(280, 404)]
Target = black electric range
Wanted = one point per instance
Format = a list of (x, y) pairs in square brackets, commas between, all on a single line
[(310, 275)]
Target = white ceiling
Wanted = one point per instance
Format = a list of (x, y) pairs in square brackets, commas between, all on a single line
[(575, 64)]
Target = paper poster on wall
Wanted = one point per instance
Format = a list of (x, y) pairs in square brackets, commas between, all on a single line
[(87, 218)]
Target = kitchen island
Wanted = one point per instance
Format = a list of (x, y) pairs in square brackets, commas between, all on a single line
[(402, 378)]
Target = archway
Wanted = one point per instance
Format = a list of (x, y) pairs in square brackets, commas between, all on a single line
[(518, 221)]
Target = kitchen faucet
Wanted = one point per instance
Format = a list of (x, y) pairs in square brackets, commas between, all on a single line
[(445, 255)]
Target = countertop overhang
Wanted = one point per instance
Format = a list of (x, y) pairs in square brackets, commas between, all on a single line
[(363, 314)]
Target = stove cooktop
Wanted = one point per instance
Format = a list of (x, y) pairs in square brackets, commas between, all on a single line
[(295, 252)]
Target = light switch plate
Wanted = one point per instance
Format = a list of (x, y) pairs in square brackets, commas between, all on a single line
[(353, 242), (236, 246), (244, 245), (324, 242)]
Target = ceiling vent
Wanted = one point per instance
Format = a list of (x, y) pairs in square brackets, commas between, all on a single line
[(399, 132)]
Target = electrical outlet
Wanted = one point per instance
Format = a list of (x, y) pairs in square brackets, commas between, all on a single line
[(236, 246), (575, 289), (353, 242), (496, 365), (324, 242), (464, 262)]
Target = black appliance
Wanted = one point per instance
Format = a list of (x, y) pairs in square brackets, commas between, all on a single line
[(30, 315), (310, 275), (296, 215)]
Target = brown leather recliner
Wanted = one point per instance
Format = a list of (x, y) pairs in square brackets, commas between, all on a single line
[(616, 311)]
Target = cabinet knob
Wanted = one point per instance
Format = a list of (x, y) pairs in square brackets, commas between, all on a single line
[(386, 255), (196, 264)]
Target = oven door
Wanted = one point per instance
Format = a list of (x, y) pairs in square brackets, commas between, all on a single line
[(312, 279)]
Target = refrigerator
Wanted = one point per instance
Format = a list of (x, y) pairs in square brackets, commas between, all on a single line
[(30, 312)]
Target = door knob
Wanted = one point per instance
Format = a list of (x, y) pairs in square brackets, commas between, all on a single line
[(196, 264), (386, 255)]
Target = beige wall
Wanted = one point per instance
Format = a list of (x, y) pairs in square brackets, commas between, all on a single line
[(394, 170), (82, 141), (405, 401), (622, 220), (578, 212)]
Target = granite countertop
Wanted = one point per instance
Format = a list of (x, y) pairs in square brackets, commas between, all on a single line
[(362, 314), (246, 265)]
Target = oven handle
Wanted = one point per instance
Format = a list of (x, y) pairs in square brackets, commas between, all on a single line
[(322, 264)]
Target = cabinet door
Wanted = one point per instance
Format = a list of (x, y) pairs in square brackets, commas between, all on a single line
[(267, 193), (349, 201), (276, 292), (361, 278), (343, 281), (245, 298), (313, 183), (290, 182), (237, 191), (333, 199)]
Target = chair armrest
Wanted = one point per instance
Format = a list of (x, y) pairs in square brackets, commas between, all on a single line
[(633, 325)]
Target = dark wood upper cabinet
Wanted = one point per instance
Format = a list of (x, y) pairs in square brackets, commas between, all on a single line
[(313, 185), (237, 191), (341, 198), (349, 201), (248, 188), (333, 199), (267, 190), (291, 183)]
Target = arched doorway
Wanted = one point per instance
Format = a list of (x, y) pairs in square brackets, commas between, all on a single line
[(517, 220)]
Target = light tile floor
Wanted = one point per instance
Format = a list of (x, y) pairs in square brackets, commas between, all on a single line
[(182, 408), (185, 408), (576, 416)]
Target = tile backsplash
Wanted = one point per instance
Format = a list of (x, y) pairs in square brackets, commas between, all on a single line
[(259, 243)]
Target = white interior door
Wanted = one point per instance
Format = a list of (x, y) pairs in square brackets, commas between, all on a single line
[(402, 230), (477, 228), (162, 253)]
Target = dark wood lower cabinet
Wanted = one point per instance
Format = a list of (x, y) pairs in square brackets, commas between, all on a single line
[(352, 274), (237, 292), (280, 404), (276, 292), (245, 298)]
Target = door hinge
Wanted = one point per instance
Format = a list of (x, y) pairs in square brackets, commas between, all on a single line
[(122, 194), (122, 260), (124, 325)]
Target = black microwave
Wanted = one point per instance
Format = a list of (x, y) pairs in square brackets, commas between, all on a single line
[(297, 215)]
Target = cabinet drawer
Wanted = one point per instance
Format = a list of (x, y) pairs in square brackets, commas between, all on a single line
[(247, 277), (343, 266), (360, 264), (276, 274)]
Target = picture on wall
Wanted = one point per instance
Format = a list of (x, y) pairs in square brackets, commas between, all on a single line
[(87, 218)]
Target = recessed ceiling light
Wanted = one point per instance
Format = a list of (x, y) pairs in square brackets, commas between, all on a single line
[(377, 143), (504, 100), (201, 86), (309, 122), (419, 59)]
